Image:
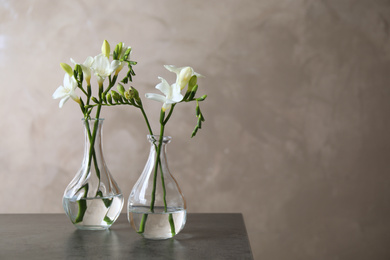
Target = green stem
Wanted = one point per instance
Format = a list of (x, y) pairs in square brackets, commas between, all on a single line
[(146, 120), (142, 224), (82, 206), (157, 161), (170, 218), (93, 150), (91, 155), (95, 129), (169, 114), (163, 186), (111, 84), (145, 216)]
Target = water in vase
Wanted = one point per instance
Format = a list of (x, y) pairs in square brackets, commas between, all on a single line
[(157, 224), (93, 213)]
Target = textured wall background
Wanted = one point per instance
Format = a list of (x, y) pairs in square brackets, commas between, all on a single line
[(297, 119)]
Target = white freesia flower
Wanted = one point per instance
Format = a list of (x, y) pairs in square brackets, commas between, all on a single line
[(102, 68), (67, 90), (183, 74), (172, 94), (86, 67)]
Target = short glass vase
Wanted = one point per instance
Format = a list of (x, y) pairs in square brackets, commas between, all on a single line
[(156, 205)]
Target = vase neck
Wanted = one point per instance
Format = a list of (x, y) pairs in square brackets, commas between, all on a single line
[(93, 131), (155, 144)]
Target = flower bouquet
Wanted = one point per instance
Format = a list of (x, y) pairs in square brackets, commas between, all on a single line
[(156, 206), (92, 199)]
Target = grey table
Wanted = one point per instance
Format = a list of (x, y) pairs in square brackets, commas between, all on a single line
[(52, 236)]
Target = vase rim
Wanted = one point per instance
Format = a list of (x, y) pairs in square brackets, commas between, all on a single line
[(157, 138), (92, 119)]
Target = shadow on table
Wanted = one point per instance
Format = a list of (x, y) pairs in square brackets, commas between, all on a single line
[(82, 244)]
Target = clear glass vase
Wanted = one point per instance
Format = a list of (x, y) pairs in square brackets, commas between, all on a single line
[(156, 206), (92, 199)]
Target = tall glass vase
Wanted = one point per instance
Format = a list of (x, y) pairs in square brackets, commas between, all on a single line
[(92, 199), (156, 206)]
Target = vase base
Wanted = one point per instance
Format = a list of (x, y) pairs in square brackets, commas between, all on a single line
[(158, 225), (93, 213), (92, 227)]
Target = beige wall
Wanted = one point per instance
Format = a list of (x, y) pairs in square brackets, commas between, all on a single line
[(297, 131)]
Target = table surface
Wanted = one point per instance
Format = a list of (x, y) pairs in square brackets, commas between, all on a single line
[(52, 236)]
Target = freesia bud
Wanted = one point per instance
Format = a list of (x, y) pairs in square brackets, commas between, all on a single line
[(127, 53), (67, 68), (118, 51), (116, 96), (128, 95), (193, 92), (134, 93), (106, 49), (95, 100), (121, 89), (184, 77), (202, 98), (109, 98)]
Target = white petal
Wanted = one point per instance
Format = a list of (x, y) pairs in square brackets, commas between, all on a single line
[(74, 97), (62, 102), (88, 62), (59, 93), (73, 61), (155, 97), (198, 75), (177, 97), (173, 68), (164, 87), (166, 106), (114, 65), (67, 81), (86, 71), (100, 64), (176, 88)]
